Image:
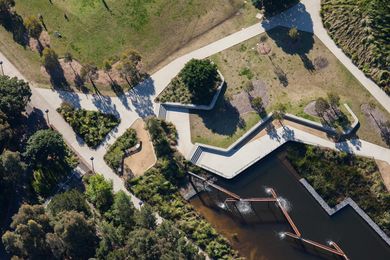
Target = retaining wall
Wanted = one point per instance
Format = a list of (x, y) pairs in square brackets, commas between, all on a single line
[(346, 202)]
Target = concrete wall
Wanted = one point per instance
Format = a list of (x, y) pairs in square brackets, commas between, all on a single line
[(344, 203)]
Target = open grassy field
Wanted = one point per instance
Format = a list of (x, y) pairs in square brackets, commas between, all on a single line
[(302, 82), (94, 30)]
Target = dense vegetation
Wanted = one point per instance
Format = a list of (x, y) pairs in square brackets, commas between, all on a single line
[(362, 29), (196, 84), (116, 152), (91, 126), (336, 175), (71, 228), (50, 159), (159, 187), (272, 7), (33, 161)]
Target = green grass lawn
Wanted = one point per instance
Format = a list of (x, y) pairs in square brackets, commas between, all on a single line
[(94, 32), (304, 83)]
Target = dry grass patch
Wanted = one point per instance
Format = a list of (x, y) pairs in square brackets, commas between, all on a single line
[(290, 73)]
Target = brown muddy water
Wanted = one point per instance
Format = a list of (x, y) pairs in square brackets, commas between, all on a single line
[(256, 233)]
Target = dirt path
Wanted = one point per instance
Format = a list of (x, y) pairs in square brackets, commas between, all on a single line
[(143, 160), (384, 169)]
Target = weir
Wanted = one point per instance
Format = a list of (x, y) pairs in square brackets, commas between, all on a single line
[(235, 199)]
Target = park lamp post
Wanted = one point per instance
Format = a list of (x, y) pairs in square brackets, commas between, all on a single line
[(93, 169), (47, 117), (1, 65)]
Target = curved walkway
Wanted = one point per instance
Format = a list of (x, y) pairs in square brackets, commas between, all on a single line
[(140, 102)]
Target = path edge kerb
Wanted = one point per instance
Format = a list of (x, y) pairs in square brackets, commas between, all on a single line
[(297, 119)]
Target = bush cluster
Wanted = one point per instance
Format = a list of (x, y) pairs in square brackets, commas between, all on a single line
[(336, 175), (91, 126), (196, 84), (116, 152), (159, 187)]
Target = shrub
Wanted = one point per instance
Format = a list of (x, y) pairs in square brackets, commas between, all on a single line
[(91, 126), (116, 152), (336, 175)]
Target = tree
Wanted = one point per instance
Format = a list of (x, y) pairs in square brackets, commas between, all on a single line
[(143, 245), (99, 192), (78, 235), (67, 201), (199, 76), (45, 145), (5, 131), (130, 66), (334, 101), (14, 96), (111, 237), (122, 211), (321, 106), (271, 7), (6, 5), (89, 71), (145, 218), (68, 58), (50, 59), (28, 239), (11, 167), (33, 26), (293, 33), (257, 104), (279, 112)]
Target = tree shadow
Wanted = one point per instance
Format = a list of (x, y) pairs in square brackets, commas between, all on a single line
[(118, 90), (288, 134), (13, 23), (299, 18), (69, 96), (141, 97), (105, 105), (271, 132), (223, 119), (385, 131), (343, 147)]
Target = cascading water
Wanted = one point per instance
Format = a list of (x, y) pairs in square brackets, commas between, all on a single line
[(284, 203), (244, 207)]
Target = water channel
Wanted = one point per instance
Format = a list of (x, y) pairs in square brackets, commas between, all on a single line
[(255, 233)]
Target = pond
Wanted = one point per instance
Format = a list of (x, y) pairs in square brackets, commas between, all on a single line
[(256, 233)]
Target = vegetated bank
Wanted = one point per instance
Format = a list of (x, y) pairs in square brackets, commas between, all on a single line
[(362, 29), (338, 175), (159, 187)]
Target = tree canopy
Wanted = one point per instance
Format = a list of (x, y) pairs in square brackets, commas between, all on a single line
[(45, 145), (99, 192), (14, 96), (33, 26), (200, 77), (67, 201)]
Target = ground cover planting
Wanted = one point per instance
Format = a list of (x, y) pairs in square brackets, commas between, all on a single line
[(91, 126)]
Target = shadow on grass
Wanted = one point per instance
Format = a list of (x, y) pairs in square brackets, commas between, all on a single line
[(224, 119), (13, 23), (299, 18)]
